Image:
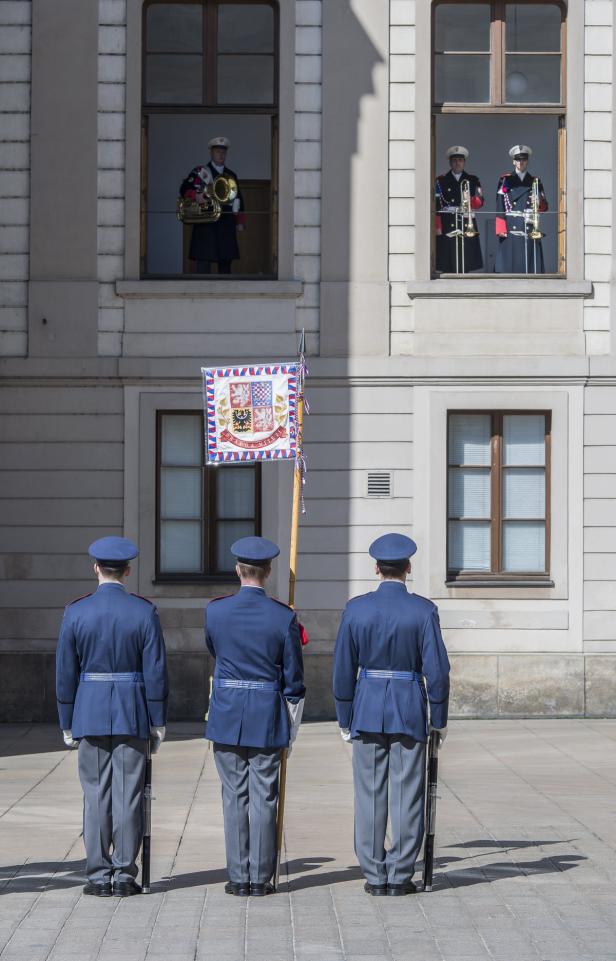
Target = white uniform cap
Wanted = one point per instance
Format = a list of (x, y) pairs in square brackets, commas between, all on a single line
[(457, 151), (520, 148), (219, 142)]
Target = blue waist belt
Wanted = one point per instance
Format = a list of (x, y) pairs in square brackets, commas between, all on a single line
[(247, 685), (135, 676), (391, 675)]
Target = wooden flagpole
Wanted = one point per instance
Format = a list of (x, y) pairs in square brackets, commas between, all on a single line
[(297, 496)]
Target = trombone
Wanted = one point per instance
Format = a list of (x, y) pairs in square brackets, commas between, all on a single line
[(464, 225), (535, 233)]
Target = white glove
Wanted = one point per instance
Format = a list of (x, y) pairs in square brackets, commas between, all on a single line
[(295, 712), (345, 733), (69, 740), (157, 736), (442, 731)]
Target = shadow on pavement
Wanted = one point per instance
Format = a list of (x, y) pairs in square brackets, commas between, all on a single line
[(499, 870), (298, 866), (39, 875)]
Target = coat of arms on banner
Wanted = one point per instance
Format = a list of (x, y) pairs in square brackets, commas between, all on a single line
[(250, 412)]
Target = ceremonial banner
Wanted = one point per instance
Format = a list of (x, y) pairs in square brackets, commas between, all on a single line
[(250, 412)]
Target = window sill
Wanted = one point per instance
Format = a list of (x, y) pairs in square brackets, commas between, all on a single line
[(499, 582), (210, 289), (501, 286)]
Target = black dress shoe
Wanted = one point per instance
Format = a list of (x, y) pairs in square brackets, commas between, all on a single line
[(376, 890), (260, 890), (98, 890), (126, 889), (239, 890), (400, 890)]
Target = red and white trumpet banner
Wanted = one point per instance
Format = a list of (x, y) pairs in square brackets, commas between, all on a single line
[(250, 412)]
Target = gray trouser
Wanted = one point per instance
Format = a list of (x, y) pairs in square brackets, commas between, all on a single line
[(388, 771), (112, 771), (249, 778)]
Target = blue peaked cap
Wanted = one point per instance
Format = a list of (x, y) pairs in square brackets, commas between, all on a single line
[(114, 551), (254, 550), (392, 547)]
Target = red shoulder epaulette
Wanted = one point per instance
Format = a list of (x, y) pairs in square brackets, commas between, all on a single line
[(303, 634), (89, 594), (132, 594)]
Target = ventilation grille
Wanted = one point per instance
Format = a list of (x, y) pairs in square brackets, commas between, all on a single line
[(379, 483)]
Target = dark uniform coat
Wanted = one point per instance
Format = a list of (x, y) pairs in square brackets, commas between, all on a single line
[(393, 630), (449, 196), (253, 638), (517, 253), (111, 631), (214, 241)]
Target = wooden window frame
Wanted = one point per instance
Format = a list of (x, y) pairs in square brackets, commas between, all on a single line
[(209, 516), (209, 103), (497, 106), (497, 55), (497, 576), (209, 107)]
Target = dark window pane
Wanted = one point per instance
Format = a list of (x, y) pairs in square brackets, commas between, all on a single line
[(245, 28), (181, 547), (235, 492), (461, 79), (533, 26), (171, 78), (175, 28), (245, 79), (533, 79), (228, 532), (462, 26)]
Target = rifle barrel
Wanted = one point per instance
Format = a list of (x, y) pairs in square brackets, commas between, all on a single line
[(431, 789), (147, 832)]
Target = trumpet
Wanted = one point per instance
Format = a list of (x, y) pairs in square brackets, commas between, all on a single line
[(534, 233), (467, 216), (222, 190)]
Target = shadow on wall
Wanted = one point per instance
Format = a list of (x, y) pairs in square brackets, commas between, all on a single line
[(339, 524)]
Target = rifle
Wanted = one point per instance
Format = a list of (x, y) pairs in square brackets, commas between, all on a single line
[(147, 817), (431, 787)]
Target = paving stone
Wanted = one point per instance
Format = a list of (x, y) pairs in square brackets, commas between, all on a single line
[(525, 867)]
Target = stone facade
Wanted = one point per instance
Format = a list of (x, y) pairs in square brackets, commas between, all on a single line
[(90, 350)]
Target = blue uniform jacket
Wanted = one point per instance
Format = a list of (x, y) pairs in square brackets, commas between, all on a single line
[(253, 638), (111, 631), (390, 629)]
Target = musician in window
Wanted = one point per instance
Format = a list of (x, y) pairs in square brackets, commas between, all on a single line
[(458, 195), (216, 188), (520, 200)]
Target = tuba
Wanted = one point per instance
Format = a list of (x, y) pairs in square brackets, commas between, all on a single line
[(467, 216), (222, 190), (535, 233)]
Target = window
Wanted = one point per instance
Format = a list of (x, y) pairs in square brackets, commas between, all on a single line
[(201, 510), (499, 81), (210, 69), (498, 495)]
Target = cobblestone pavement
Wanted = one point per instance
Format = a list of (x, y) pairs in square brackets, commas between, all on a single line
[(526, 861)]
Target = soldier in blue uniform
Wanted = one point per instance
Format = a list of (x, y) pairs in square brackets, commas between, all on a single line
[(388, 642), (255, 712), (458, 247), (111, 688), (520, 199)]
